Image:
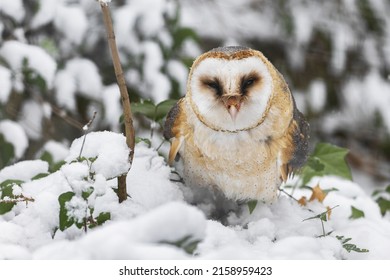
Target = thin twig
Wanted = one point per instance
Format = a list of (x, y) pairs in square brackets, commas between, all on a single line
[(290, 196), (159, 146), (86, 129)]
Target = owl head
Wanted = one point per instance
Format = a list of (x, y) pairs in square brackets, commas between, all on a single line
[(231, 88)]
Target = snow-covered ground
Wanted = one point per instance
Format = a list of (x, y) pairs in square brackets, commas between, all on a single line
[(158, 221), (147, 225)]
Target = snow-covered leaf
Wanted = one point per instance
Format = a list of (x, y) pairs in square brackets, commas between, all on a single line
[(87, 193), (188, 244), (65, 220), (6, 189), (39, 176), (349, 246)]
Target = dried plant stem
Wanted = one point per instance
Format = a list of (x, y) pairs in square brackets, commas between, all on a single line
[(127, 116)]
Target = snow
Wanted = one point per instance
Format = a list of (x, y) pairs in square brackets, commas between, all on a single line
[(109, 148), (71, 21), (179, 72), (45, 14), (23, 170), (14, 134), (14, 52), (159, 211), (86, 75), (245, 21), (104, 2), (65, 86), (130, 240), (147, 17), (31, 118), (80, 76), (149, 191), (112, 105), (363, 98), (159, 83), (13, 9), (156, 215), (5, 84), (317, 96)]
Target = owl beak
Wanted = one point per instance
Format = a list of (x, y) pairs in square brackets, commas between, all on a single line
[(233, 105), (233, 110)]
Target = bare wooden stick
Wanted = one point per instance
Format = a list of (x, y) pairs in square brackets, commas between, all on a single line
[(127, 116)]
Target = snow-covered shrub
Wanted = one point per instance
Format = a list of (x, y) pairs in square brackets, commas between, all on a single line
[(55, 67)]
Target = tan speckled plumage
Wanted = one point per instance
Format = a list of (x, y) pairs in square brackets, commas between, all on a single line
[(245, 151)]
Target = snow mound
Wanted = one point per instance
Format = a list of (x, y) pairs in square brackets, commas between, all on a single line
[(148, 180), (13, 8), (14, 53), (14, 134), (148, 236), (24, 170), (6, 85), (156, 222), (109, 149)]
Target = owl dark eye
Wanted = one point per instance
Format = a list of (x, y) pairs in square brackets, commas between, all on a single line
[(215, 86), (246, 83)]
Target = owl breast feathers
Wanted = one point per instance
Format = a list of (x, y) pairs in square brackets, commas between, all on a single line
[(237, 128)]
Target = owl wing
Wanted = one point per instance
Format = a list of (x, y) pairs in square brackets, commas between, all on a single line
[(173, 129), (296, 154)]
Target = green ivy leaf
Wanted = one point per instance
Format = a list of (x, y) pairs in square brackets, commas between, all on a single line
[(163, 108), (7, 152), (56, 166), (384, 205), (87, 193), (65, 220), (315, 164), (10, 182), (39, 176), (382, 199), (349, 246), (326, 159), (6, 189), (145, 140), (5, 207), (92, 159), (103, 217), (145, 107), (181, 35), (46, 156), (53, 166), (356, 213), (252, 205), (152, 111), (187, 243)]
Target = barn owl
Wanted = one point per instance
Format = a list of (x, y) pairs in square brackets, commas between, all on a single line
[(237, 128)]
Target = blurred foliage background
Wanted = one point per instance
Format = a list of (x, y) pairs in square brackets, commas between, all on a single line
[(55, 67)]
